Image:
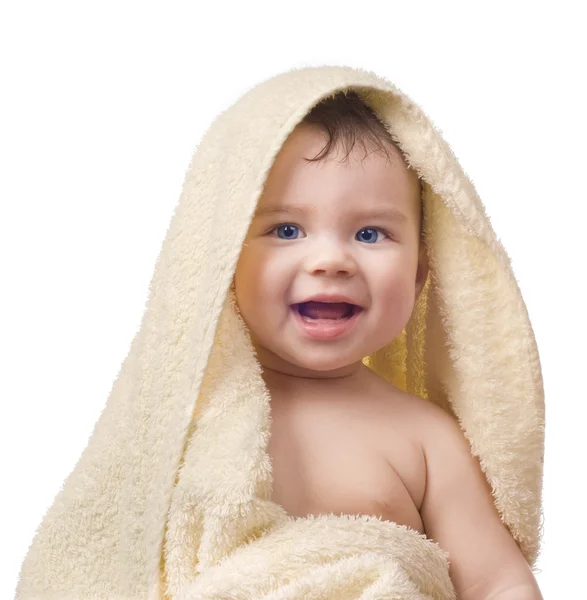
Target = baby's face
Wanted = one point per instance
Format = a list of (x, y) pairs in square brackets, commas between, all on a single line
[(330, 228)]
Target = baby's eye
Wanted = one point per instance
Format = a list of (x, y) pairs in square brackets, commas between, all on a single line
[(369, 234), (286, 231)]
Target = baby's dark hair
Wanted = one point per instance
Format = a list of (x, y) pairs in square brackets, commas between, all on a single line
[(345, 118)]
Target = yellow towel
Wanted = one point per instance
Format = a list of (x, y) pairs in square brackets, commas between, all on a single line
[(171, 497)]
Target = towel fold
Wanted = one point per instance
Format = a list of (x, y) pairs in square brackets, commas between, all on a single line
[(328, 557)]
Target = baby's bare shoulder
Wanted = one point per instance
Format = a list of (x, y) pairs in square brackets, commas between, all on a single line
[(417, 415)]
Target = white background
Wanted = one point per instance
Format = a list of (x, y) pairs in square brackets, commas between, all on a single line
[(102, 106)]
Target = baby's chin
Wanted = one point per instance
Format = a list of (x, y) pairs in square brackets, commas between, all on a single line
[(320, 363)]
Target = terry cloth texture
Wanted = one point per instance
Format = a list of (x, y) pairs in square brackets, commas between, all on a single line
[(171, 497)]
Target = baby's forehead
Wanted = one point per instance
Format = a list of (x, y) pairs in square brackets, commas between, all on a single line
[(360, 177)]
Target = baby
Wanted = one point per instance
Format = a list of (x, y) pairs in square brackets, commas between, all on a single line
[(331, 268)]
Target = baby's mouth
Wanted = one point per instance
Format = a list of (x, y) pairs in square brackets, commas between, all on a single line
[(326, 311)]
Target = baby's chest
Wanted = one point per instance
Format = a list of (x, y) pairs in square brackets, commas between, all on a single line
[(341, 465)]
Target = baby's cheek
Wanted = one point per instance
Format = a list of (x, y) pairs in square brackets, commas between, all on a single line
[(254, 292), (398, 294), (248, 271), (272, 277)]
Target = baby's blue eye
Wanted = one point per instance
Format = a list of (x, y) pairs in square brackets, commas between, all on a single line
[(287, 232), (371, 235)]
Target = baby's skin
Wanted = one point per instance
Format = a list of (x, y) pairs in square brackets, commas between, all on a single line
[(330, 270), (347, 446)]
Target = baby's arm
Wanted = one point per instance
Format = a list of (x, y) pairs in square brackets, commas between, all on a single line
[(459, 514)]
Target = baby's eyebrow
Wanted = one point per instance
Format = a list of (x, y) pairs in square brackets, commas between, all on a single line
[(388, 213), (265, 211)]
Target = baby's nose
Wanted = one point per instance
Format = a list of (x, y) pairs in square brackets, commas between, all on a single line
[(332, 260)]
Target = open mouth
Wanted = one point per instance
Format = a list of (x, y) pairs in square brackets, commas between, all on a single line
[(326, 311)]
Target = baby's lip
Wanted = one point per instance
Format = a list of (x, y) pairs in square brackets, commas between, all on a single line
[(330, 298)]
